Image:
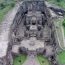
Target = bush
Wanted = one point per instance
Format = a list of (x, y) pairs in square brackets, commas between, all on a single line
[(58, 0), (5, 6), (12, 4), (2, 5), (64, 23)]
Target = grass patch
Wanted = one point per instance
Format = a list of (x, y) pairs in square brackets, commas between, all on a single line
[(63, 24), (59, 31), (42, 60), (64, 31), (60, 3), (20, 59), (61, 57), (5, 6), (3, 12)]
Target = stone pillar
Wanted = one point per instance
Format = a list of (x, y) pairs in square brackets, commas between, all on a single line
[(9, 58)]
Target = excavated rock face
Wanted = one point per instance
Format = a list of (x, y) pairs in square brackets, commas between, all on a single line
[(31, 16), (32, 30), (32, 21)]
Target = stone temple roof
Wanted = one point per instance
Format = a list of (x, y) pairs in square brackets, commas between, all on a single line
[(37, 14), (32, 44)]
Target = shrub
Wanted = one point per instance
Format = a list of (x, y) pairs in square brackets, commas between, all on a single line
[(12, 4), (2, 5), (58, 0), (64, 23)]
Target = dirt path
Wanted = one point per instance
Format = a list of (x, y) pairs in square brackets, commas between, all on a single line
[(4, 30), (31, 60)]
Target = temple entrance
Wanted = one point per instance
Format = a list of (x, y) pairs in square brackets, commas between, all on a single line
[(32, 54)]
